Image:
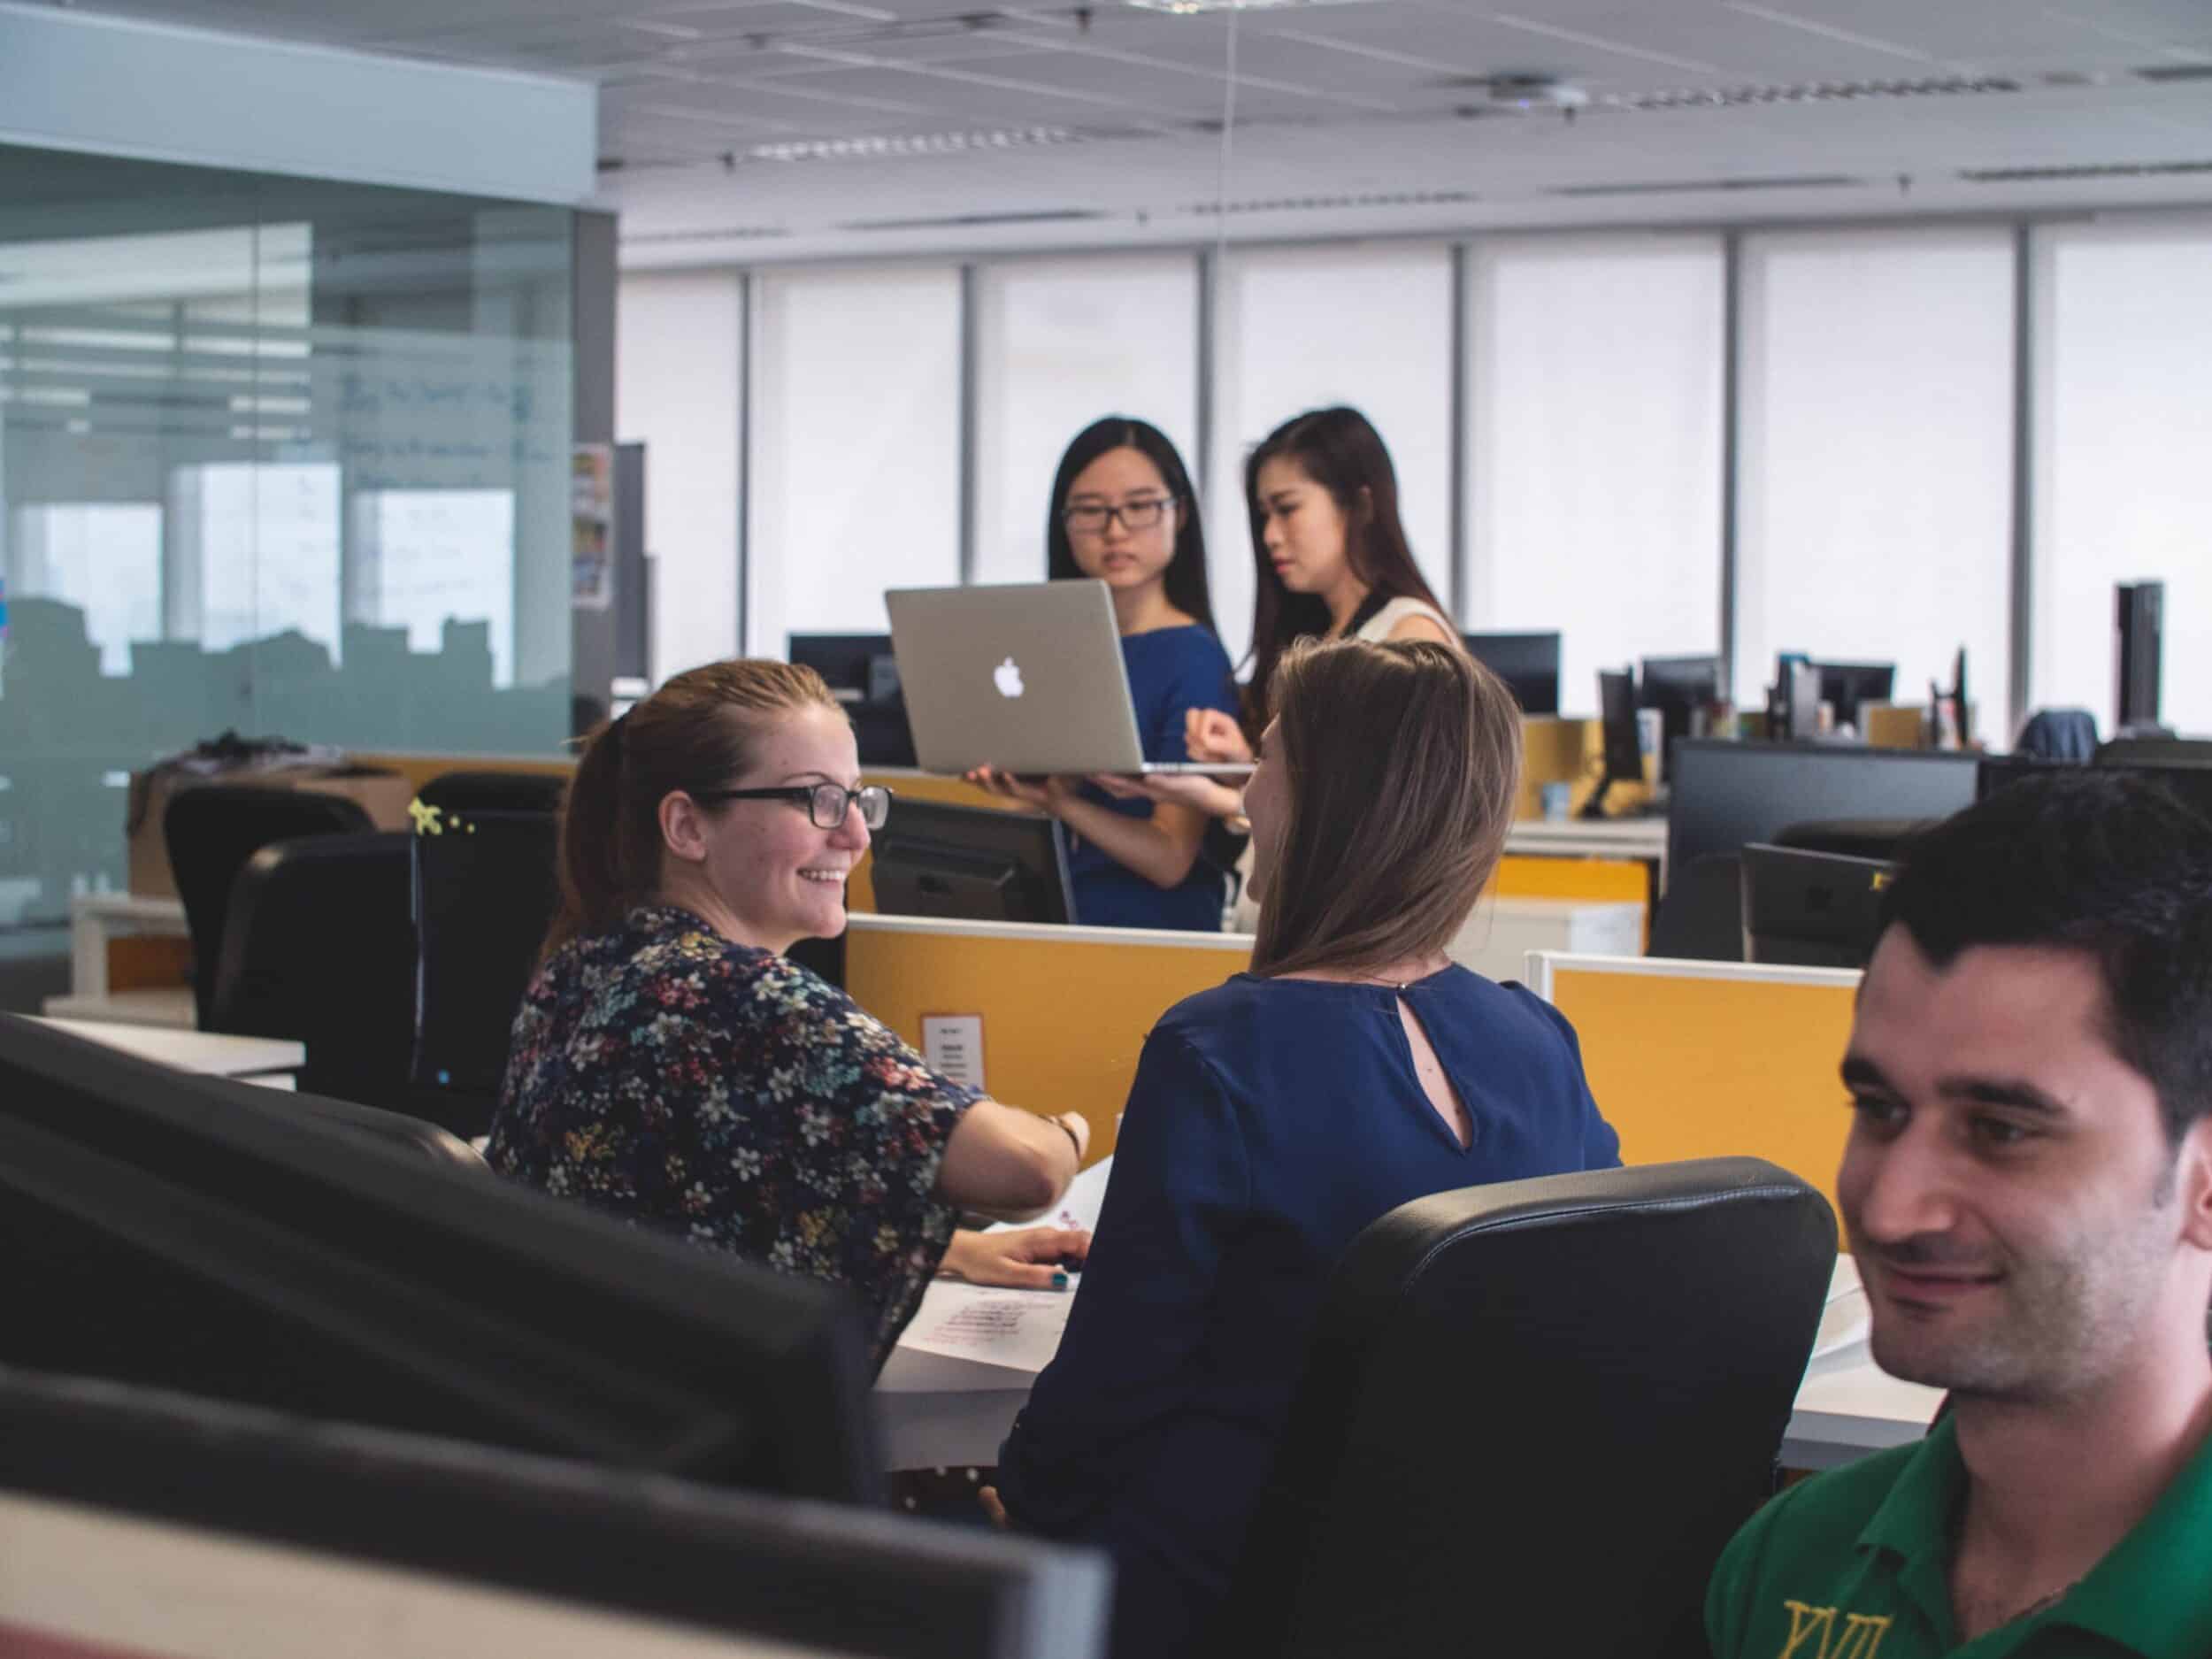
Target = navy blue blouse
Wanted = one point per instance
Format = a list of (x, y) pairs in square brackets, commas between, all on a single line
[(1271, 1121), (1171, 671)]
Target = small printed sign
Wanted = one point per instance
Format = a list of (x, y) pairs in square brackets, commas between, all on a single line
[(953, 1045)]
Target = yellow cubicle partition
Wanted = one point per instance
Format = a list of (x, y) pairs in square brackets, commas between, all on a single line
[(1711, 1059), (1064, 1009)]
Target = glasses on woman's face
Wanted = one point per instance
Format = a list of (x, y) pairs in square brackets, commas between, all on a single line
[(826, 803), (1091, 518)]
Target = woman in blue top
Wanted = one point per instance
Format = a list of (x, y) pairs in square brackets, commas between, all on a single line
[(1124, 513), (1354, 1069)]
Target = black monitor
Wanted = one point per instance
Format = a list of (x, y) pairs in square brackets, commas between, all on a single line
[(1993, 772), (863, 675), (1811, 910), (198, 1234), (971, 864), (1845, 685), (1624, 752), (1681, 688), (1528, 664), (1727, 795), (249, 1530), (2138, 630)]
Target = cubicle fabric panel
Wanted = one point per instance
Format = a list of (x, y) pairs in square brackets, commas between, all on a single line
[(1064, 1009), (1690, 1066)]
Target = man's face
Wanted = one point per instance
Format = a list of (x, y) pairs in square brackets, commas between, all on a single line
[(2008, 1189)]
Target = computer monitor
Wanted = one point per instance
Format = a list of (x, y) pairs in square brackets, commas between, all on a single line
[(1811, 910), (1845, 685), (1727, 795), (1681, 688), (2138, 630), (1528, 664), (863, 675), (190, 1232), (241, 1531), (1623, 752), (971, 864), (1993, 772)]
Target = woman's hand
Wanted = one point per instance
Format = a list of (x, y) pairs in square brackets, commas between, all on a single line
[(1210, 734), (1034, 1258), (1206, 794), (991, 780), (993, 1511)]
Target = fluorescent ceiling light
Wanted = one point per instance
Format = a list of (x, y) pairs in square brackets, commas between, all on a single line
[(1185, 8)]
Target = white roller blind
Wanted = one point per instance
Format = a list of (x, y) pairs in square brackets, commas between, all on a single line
[(1875, 457), (1594, 475), (855, 458)]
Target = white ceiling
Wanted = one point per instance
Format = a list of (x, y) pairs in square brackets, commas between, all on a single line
[(751, 130)]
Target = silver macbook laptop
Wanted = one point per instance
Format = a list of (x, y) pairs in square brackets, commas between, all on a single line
[(1026, 678)]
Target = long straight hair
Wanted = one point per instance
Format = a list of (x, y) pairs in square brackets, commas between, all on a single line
[(1338, 449), (1402, 762), (1184, 582), (697, 732)]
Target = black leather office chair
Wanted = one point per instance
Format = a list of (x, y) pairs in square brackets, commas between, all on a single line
[(318, 946), (211, 830), (466, 792), (398, 1130), (1700, 916), (484, 896), (1533, 1414)]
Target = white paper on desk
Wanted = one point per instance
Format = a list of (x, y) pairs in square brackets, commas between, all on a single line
[(1017, 1329), (1847, 1319)]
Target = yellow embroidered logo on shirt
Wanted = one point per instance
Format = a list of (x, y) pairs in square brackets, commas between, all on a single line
[(1861, 1637)]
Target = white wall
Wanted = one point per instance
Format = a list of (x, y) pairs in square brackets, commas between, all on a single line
[(679, 359)]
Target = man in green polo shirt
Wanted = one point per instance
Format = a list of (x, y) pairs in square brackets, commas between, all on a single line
[(2028, 1191)]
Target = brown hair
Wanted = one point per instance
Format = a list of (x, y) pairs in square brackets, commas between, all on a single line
[(696, 733), (1404, 766)]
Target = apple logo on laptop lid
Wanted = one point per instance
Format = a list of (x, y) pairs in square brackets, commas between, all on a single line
[(1008, 678)]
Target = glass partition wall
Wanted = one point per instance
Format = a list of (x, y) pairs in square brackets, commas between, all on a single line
[(277, 457)]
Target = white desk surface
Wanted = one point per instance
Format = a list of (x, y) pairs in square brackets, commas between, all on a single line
[(935, 1412), (167, 1006), (1589, 838), (213, 1054)]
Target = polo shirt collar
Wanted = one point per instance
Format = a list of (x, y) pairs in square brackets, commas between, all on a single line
[(2149, 1595)]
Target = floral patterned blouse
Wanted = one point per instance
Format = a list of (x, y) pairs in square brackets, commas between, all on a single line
[(665, 1074)]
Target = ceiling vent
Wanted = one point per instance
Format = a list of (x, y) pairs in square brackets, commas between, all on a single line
[(2105, 170), (2175, 72), (735, 233), (1331, 203), (883, 147), (1813, 92), (975, 221), (1692, 187)]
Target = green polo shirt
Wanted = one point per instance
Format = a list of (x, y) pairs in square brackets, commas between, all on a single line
[(1854, 1564)]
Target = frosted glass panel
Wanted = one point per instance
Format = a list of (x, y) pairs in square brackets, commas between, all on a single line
[(255, 552), (1306, 328), (2124, 446), (101, 558), (425, 558), (856, 436), (1058, 344), (1594, 476), (1875, 463)]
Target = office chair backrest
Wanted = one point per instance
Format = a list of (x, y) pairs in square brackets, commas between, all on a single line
[(2058, 735), (211, 830), (391, 1129), (1882, 838), (318, 946), (484, 896), (1534, 1413), (466, 792)]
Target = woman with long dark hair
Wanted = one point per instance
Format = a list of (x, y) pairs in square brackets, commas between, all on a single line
[(1122, 512), (1333, 562)]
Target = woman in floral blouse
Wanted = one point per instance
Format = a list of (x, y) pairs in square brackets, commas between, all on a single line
[(671, 1066)]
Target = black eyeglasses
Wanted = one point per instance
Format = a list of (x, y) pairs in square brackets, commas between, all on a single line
[(1092, 516), (826, 803)]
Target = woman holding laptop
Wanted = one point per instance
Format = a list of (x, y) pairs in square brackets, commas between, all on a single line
[(1333, 562), (1354, 1069), (1124, 513), (669, 1064)]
